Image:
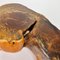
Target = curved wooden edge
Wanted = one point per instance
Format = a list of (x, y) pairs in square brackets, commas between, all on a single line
[(33, 45)]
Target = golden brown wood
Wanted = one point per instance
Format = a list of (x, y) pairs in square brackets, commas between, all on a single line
[(40, 35)]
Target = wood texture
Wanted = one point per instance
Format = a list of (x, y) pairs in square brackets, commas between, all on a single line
[(42, 34)]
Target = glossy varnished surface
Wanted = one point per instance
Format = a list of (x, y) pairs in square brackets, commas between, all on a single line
[(16, 17)]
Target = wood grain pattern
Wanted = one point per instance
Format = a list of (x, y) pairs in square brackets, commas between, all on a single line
[(43, 38)]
